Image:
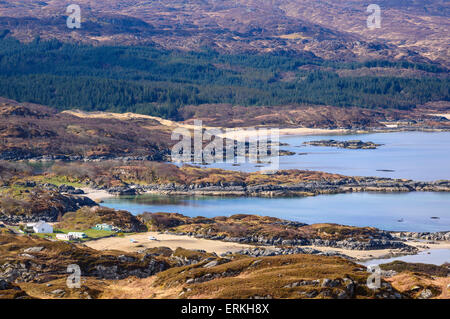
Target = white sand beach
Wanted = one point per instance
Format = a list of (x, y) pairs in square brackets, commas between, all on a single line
[(174, 241), (163, 240), (96, 194)]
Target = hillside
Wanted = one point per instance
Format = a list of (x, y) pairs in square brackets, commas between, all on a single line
[(160, 82), (180, 274), (37, 268), (261, 230), (326, 28), (32, 131)]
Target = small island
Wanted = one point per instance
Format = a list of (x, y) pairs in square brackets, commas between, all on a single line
[(352, 144)]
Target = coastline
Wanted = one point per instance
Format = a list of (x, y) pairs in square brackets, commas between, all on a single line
[(174, 241), (241, 133), (300, 189), (360, 184), (367, 255)]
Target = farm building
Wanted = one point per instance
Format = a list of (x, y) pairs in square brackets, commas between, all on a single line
[(40, 227)]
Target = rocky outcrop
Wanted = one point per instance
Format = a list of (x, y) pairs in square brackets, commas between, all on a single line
[(31, 271), (344, 185), (29, 259), (88, 217), (270, 231), (262, 251), (41, 204), (385, 242), (118, 271), (344, 144), (437, 236)]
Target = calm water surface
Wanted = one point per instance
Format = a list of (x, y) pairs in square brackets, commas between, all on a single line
[(414, 155), (399, 211), (422, 156), (432, 256)]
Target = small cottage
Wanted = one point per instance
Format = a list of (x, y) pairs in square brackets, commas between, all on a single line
[(41, 227)]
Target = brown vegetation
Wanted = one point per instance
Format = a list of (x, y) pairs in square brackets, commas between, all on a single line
[(35, 267), (118, 173), (293, 276), (432, 270), (38, 203), (29, 130), (254, 225), (312, 116), (414, 31), (418, 285), (53, 257), (88, 217), (35, 131)]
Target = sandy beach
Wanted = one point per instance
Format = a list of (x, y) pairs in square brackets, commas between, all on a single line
[(163, 240), (237, 133), (243, 133), (96, 194), (219, 247)]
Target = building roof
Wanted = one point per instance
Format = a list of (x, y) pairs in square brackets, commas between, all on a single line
[(40, 223)]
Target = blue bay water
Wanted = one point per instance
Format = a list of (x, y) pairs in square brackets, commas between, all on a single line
[(388, 211), (422, 156), (419, 156), (416, 155), (431, 256)]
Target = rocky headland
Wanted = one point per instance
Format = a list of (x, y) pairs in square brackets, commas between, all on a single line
[(39, 204), (307, 188), (268, 232)]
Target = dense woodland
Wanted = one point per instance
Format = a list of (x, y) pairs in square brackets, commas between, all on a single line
[(147, 80)]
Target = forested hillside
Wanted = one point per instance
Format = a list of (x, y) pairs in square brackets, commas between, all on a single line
[(144, 79)]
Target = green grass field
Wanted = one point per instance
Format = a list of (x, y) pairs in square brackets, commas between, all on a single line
[(90, 233)]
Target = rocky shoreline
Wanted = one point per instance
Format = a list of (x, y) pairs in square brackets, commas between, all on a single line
[(163, 154), (385, 242), (345, 185), (437, 236)]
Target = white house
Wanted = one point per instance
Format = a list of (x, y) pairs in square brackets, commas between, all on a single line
[(42, 227)]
